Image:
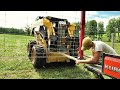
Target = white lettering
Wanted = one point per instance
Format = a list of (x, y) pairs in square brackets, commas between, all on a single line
[(106, 66), (112, 68)]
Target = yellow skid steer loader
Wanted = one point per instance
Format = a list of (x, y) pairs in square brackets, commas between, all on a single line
[(54, 38)]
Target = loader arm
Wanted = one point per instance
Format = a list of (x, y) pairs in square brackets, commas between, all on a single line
[(71, 30), (49, 25), (40, 40)]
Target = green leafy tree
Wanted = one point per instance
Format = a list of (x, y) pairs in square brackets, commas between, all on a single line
[(87, 28), (118, 27), (100, 29), (27, 30), (91, 28), (111, 28)]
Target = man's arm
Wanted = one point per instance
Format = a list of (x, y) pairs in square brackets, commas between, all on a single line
[(92, 60)]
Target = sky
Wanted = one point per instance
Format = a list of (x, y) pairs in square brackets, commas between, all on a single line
[(20, 19)]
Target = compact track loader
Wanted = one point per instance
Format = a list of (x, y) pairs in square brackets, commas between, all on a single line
[(54, 40)]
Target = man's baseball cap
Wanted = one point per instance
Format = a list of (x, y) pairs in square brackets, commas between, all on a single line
[(86, 43)]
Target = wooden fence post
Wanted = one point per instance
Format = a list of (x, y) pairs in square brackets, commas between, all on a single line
[(112, 35)]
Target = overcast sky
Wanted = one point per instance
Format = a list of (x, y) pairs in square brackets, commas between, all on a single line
[(19, 19)]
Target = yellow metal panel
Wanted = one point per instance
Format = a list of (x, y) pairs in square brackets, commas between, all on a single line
[(49, 25), (56, 57), (71, 29), (41, 41)]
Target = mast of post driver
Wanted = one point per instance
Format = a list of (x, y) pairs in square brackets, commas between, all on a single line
[(81, 34)]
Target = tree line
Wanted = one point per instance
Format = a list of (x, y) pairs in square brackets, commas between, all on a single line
[(93, 29), (96, 29), (16, 31)]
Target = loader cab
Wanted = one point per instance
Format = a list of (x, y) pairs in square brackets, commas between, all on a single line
[(58, 41), (62, 28), (58, 24)]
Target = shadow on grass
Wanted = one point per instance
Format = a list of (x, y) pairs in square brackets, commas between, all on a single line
[(64, 71)]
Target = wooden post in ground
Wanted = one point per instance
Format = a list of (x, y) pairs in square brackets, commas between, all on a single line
[(112, 35)]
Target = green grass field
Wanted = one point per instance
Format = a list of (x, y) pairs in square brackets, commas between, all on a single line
[(14, 63)]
